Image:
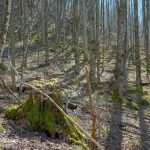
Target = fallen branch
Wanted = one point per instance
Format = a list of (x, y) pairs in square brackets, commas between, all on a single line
[(9, 90), (59, 108)]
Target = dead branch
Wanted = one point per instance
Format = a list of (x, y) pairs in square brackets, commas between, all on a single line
[(9, 90)]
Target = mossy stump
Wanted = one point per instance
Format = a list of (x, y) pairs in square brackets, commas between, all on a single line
[(43, 116)]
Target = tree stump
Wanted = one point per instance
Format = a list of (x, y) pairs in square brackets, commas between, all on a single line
[(43, 116)]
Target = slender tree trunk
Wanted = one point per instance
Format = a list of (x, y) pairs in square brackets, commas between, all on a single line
[(137, 52), (43, 22), (57, 22), (75, 31), (147, 38), (120, 74), (5, 27), (12, 45), (85, 39), (97, 40), (25, 31), (2, 21), (46, 33), (44, 28), (92, 42)]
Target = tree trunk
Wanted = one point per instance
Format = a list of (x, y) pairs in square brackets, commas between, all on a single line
[(92, 42), (5, 27), (120, 74), (25, 28), (2, 18), (85, 30), (12, 45), (75, 39), (44, 28), (137, 52)]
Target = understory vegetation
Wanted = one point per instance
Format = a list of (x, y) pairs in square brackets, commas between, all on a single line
[(75, 74)]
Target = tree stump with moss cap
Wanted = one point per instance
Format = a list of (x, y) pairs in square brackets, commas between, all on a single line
[(43, 116)]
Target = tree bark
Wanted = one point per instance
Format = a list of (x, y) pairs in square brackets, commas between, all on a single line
[(120, 74), (25, 31), (75, 39), (12, 45), (85, 39), (137, 52)]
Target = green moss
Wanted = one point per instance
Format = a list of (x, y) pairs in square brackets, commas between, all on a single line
[(49, 122), (77, 142), (43, 83), (33, 114), (11, 112), (130, 105), (75, 136), (135, 106), (76, 118), (71, 130), (116, 98), (1, 128), (146, 97), (132, 88)]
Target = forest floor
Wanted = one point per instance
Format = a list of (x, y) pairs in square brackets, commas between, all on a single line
[(132, 133)]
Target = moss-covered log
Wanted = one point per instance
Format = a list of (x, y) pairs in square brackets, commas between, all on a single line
[(43, 116)]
